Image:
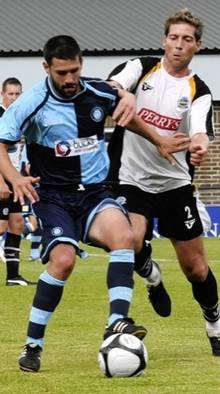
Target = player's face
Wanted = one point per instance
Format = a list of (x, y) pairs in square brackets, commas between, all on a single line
[(11, 93), (65, 75), (180, 45)]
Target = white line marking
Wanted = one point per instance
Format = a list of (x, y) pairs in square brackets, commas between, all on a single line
[(157, 259)]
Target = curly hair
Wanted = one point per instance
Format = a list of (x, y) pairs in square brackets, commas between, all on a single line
[(184, 16)]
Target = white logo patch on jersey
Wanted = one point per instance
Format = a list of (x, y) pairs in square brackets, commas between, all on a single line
[(183, 103), (97, 114), (76, 147), (146, 86)]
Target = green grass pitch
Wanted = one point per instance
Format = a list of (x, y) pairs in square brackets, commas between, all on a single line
[(180, 359)]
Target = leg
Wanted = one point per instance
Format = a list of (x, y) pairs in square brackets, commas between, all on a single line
[(144, 265), (30, 225), (111, 230), (35, 245), (3, 229), (36, 237), (194, 264), (12, 251), (141, 207), (4, 216), (48, 295), (58, 227), (147, 268)]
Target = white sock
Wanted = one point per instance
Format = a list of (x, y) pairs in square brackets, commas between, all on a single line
[(155, 276), (213, 329), (2, 241)]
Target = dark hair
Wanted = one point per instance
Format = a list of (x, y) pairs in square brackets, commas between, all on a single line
[(185, 16), (10, 81), (61, 47)]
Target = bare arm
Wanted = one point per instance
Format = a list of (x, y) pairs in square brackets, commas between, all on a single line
[(4, 189), (165, 145), (22, 186), (126, 108), (198, 148), (124, 115)]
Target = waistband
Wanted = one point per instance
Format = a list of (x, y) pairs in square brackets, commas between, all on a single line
[(77, 187)]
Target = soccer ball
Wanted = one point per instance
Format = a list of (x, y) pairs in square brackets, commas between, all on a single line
[(122, 355)]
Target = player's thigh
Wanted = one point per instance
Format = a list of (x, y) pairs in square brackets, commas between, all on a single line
[(111, 229), (58, 227), (178, 214), (192, 257), (141, 208)]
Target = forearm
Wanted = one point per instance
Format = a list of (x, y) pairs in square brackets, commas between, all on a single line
[(7, 170), (138, 126), (2, 182), (200, 138)]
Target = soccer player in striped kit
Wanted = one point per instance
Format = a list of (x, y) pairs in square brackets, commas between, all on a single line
[(170, 98)]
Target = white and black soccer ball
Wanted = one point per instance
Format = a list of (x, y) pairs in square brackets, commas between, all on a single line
[(122, 355)]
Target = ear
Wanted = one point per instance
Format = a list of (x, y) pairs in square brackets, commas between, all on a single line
[(163, 41), (46, 67), (199, 45), (81, 60)]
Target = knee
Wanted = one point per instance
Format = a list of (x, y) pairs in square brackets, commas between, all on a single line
[(62, 262), (138, 240), (197, 270), (138, 245), (124, 240), (16, 225), (128, 238)]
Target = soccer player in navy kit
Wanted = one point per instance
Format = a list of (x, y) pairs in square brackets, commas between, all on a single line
[(62, 119), (11, 220)]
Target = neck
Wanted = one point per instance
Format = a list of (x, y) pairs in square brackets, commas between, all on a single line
[(177, 72), (53, 88)]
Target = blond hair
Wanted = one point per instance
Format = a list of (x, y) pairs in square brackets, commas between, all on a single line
[(184, 16)]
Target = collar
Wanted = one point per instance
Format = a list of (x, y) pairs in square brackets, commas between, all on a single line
[(58, 97)]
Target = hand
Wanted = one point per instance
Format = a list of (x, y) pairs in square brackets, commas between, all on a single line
[(198, 153), (125, 109), (4, 191), (23, 187), (176, 143), (27, 168)]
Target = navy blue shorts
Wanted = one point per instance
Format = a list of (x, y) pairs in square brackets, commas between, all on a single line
[(8, 206), (66, 215)]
